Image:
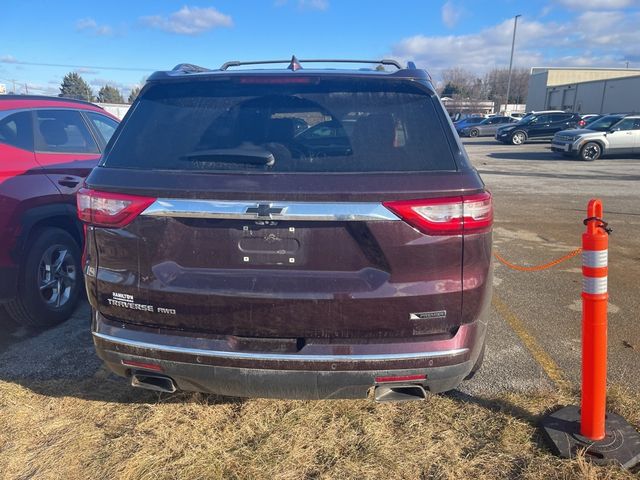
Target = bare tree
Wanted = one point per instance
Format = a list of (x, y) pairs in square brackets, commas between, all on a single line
[(496, 85), (461, 82)]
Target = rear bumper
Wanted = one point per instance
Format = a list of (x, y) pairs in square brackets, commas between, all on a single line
[(8, 283), (315, 372)]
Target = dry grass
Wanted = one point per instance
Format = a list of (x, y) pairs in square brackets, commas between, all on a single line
[(101, 428)]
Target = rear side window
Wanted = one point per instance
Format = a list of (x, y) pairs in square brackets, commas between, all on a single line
[(16, 129), (563, 117), (259, 125), (626, 124), (103, 124), (63, 131)]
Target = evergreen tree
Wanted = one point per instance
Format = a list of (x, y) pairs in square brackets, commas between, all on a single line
[(450, 90), (135, 91), (74, 86), (109, 94)]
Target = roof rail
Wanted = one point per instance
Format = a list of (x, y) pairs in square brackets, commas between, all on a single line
[(236, 63), (189, 68), (57, 98)]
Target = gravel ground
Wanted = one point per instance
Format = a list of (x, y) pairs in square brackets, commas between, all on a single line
[(62, 352)]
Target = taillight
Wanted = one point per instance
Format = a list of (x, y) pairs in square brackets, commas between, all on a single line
[(447, 215), (582, 123), (106, 209)]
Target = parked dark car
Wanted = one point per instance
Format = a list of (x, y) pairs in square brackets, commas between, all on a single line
[(486, 128), (48, 146), (467, 122), (325, 138), (537, 126), (227, 254)]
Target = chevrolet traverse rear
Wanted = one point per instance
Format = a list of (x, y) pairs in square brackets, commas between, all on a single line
[(291, 233)]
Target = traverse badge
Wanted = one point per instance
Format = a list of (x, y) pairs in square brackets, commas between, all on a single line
[(428, 315)]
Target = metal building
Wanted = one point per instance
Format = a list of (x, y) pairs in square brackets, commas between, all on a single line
[(584, 90)]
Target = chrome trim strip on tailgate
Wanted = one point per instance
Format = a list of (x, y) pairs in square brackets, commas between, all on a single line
[(252, 210), (279, 356)]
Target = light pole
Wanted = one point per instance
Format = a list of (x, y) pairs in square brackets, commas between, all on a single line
[(513, 44)]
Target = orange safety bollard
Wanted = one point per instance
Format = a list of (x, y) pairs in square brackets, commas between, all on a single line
[(603, 437), (595, 297)]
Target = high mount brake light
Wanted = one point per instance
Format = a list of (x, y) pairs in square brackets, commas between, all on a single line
[(447, 215), (107, 209), (276, 80)]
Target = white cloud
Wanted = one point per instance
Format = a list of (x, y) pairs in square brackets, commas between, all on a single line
[(598, 4), (8, 59), (451, 14), (320, 5), (603, 38), (189, 20), (86, 23), (546, 10), (41, 88), (480, 51), (91, 26)]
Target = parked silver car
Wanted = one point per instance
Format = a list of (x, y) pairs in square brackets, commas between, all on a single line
[(610, 135), (486, 128)]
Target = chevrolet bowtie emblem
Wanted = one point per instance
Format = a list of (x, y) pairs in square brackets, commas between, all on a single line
[(264, 210)]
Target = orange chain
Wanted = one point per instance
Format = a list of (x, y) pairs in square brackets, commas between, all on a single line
[(538, 267)]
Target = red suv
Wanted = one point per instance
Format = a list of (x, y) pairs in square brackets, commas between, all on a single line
[(48, 145), (288, 233)]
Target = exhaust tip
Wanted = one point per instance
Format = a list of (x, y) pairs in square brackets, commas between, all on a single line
[(399, 393), (150, 381)]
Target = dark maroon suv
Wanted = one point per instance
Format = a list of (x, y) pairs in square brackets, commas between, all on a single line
[(294, 233)]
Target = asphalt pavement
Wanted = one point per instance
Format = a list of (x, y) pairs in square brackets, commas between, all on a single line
[(541, 201), (534, 334)]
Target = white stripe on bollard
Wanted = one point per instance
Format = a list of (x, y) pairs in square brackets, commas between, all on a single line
[(594, 285), (594, 258)]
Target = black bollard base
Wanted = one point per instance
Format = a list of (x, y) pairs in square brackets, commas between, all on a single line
[(620, 445)]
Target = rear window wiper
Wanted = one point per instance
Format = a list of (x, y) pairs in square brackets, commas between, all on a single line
[(252, 155)]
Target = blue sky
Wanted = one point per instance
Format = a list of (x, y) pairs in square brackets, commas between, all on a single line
[(140, 36)]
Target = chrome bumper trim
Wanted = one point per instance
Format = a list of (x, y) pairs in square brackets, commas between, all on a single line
[(279, 356)]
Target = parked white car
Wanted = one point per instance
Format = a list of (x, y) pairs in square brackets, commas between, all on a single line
[(610, 135)]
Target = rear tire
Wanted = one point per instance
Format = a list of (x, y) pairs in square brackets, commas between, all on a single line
[(474, 133), (50, 281), (590, 152), (518, 138)]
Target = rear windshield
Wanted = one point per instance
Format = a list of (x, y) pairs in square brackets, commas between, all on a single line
[(257, 124)]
